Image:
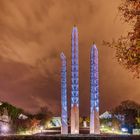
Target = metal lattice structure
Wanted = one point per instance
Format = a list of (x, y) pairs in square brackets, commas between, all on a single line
[(94, 92), (64, 114), (74, 83)]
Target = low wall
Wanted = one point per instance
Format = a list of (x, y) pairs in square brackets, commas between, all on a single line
[(71, 137)]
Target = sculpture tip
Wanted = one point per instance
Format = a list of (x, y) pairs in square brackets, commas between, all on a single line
[(62, 55)]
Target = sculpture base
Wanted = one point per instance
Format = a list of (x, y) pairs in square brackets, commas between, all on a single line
[(64, 130), (75, 120), (94, 123)]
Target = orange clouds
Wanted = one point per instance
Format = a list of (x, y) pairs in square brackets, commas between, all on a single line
[(33, 33)]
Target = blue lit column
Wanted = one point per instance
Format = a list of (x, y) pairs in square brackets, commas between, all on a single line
[(94, 92), (64, 118), (74, 83)]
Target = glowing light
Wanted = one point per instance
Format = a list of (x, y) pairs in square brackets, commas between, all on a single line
[(102, 126), (75, 71), (64, 118), (74, 83), (124, 130), (4, 128), (41, 128), (94, 92)]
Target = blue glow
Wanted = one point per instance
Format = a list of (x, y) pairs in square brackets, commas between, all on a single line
[(124, 129), (64, 117), (75, 70), (94, 92), (94, 79), (74, 83)]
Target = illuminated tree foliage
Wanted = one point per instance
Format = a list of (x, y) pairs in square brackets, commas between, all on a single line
[(130, 110), (13, 112), (128, 47)]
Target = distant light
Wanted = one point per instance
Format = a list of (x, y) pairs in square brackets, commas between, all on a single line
[(124, 130), (41, 128), (120, 59), (4, 128), (102, 126)]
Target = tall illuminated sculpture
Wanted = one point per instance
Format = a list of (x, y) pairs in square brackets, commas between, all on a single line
[(94, 92), (64, 117), (74, 83)]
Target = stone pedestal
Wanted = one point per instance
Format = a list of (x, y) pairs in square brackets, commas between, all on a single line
[(75, 120)]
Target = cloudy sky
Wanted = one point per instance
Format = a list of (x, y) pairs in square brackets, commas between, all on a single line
[(33, 33)]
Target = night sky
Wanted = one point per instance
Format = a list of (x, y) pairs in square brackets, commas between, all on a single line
[(33, 33)]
